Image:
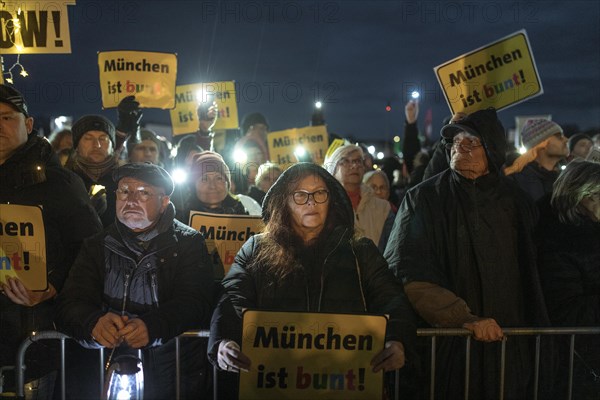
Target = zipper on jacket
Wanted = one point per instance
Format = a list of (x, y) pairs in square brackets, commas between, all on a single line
[(154, 291), (125, 292)]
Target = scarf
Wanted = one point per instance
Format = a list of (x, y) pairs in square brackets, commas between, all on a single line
[(94, 171)]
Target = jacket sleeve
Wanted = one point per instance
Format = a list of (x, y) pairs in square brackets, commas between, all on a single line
[(80, 303), (190, 302), (239, 293), (385, 295), (386, 231), (438, 162), (77, 220), (411, 144), (410, 253), (438, 306)]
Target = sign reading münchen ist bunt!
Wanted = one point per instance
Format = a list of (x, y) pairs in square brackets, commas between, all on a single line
[(500, 74), (150, 77)]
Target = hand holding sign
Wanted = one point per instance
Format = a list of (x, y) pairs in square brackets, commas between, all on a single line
[(19, 294), (230, 357), (390, 358), (129, 116)]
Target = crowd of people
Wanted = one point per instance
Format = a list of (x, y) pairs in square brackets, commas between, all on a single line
[(458, 234)]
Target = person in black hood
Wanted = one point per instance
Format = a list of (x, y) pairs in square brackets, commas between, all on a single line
[(31, 175), (462, 245), (308, 259)]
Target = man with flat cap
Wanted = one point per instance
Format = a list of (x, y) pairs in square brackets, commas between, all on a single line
[(462, 245), (144, 280)]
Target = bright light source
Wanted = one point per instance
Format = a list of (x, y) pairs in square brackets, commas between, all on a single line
[(240, 156), (179, 176), (300, 151), (563, 167), (202, 96), (396, 139), (522, 150), (415, 95), (371, 149), (60, 121), (318, 104), (380, 155), (375, 166)]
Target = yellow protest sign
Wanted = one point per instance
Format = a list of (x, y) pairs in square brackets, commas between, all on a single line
[(500, 74), (283, 144), (225, 233), (23, 245), (311, 356), (149, 76), (35, 27), (184, 117)]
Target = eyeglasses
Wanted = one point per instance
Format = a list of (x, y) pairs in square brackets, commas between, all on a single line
[(345, 162), (301, 197), (141, 194), (466, 143)]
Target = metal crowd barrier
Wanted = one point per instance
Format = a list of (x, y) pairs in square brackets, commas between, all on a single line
[(432, 333)]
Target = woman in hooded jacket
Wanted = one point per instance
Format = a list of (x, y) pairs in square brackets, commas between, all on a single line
[(308, 259)]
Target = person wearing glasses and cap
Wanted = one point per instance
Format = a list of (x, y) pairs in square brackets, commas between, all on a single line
[(462, 245), (142, 281), (308, 259)]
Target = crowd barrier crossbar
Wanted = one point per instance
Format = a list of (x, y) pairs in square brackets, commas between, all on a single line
[(432, 333)]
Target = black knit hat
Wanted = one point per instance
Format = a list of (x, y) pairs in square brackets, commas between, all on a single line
[(92, 123), (12, 96), (147, 172), (576, 138), (253, 119)]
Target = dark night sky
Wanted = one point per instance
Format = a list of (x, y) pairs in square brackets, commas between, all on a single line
[(357, 54)]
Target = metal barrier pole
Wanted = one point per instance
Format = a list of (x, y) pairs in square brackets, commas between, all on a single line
[(63, 371), (101, 357), (536, 380), (502, 366), (215, 383), (20, 364), (397, 385), (177, 369), (571, 363), (432, 382), (467, 366)]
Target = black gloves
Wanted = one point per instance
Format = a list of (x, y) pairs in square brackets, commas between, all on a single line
[(129, 116)]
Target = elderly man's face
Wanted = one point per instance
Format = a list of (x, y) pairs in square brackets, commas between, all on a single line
[(139, 205), (467, 156), (350, 169), (14, 128)]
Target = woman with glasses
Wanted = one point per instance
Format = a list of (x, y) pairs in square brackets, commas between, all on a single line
[(308, 259)]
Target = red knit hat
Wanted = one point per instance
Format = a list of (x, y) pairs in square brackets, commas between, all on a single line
[(209, 161)]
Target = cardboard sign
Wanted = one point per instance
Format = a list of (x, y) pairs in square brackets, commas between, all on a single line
[(184, 117), (500, 74), (311, 356), (150, 77), (35, 27), (225, 233), (283, 144), (23, 246)]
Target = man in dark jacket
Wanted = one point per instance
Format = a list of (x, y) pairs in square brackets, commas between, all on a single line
[(462, 245), (141, 282), (30, 174), (97, 145)]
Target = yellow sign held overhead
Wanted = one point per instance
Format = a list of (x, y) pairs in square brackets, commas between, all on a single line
[(184, 117), (500, 74), (23, 246), (148, 76), (224, 233), (35, 27), (284, 145), (311, 355)]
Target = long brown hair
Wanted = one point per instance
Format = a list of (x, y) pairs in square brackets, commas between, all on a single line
[(280, 244)]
